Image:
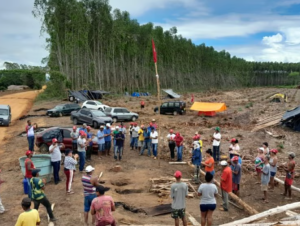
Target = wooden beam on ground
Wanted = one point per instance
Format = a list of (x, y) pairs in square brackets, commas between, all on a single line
[(282, 182), (291, 213), (264, 214), (177, 163), (193, 220), (279, 223), (268, 124)]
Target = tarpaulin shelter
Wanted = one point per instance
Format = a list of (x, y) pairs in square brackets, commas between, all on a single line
[(77, 96), (276, 97), (171, 93), (291, 119), (208, 109)]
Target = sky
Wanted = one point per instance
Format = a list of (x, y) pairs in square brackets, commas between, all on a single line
[(256, 30)]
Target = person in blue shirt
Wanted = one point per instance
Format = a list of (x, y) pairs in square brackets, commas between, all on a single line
[(147, 142), (101, 141), (90, 146), (196, 160), (107, 138), (83, 128)]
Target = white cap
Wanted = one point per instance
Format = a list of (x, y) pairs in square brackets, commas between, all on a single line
[(101, 127), (89, 169), (153, 120), (107, 124), (262, 149), (223, 163), (117, 127)]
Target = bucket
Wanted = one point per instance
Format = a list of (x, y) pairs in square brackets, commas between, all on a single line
[(42, 162)]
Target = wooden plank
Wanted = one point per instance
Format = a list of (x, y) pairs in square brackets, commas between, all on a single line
[(273, 123), (193, 220), (269, 120), (158, 210), (278, 223), (177, 163)]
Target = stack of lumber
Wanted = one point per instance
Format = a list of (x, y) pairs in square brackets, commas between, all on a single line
[(267, 122), (162, 186)]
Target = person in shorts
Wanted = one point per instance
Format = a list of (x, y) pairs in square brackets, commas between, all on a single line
[(208, 191), (179, 192), (290, 175), (273, 167), (265, 178)]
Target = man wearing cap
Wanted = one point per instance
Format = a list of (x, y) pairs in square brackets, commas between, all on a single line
[(38, 195), (89, 190), (171, 141), (102, 207), (69, 169), (141, 138), (236, 174), (30, 134), (154, 124), (135, 135), (179, 144), (118, 151), (115, 132), (55, 153), (146, 135), (81, 149), (216, 144), (226, 184), (90, 144), (196, 160), (29, 166), (107, 138), (74, 135), (30, 217), (84, 128), (179, 191), (154, 142), (290, 174)]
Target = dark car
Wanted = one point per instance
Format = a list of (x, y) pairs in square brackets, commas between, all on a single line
[(63, 109), (63, 135), (91, 117), (172, 107)]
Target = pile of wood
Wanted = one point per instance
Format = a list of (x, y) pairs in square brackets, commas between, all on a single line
[(162, 186), (267, 122)]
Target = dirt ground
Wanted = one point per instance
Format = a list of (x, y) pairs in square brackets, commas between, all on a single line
[(245, 107)]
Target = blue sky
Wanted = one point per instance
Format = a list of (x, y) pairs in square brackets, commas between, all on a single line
[(257, 30)]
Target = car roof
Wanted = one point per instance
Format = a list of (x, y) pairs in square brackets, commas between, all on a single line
[(4, 106), (118, 108), (174, 101)]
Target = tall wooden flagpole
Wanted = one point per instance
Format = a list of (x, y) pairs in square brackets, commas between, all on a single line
[(158, 96)]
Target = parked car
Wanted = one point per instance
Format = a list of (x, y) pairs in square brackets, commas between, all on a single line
[(63, 109), (91, 117), (121, 114), (94, 104), (172, 107), (5, 115), (63, 135)]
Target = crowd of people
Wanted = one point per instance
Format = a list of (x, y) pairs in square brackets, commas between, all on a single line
[(141, 138)]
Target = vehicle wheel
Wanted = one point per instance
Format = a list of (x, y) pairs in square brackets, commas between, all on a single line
[(156, 112), (75, 122), (84, 107), (115, 120), (175, 113), (60, 114), (76, 101), (71, 98), (133, 119), (95, 124), (100, 109), (44, 149)]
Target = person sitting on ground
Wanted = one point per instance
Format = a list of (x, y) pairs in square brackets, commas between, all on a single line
[(196, 160), (38, 195), (179, 145), (208, 192), (30, 217), (259, 163), (171, 142), (209, 162), (179, 192), (236, 175), (69, 169), (234, 147), (2, 210), (102, 207), (265, 145), (226, 184), (265, 178), (273, 167), (290, 174)]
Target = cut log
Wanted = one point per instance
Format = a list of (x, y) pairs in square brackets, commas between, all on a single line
[(267, 213), (291, 213), (177, 163), (193, 220), (279, 223), (268, 124), (282, 182)]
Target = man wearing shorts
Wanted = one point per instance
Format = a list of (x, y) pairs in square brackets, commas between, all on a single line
[(179, 191), (265, 178), (101, 141), (290, 174)]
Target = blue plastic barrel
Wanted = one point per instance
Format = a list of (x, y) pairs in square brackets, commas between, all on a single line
[(42, 162)]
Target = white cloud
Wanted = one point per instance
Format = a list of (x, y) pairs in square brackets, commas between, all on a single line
[(268, 40)]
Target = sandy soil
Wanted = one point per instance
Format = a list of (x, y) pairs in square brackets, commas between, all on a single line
[(237, 121)]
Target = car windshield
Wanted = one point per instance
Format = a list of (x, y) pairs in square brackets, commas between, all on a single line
[(98, 103), (98, 114), (3, 112), (59, 107)]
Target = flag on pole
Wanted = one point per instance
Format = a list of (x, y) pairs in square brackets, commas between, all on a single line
[(154, 52)]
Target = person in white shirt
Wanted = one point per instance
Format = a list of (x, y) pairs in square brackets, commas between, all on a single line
[(55, 153), (154, 142), (135, 135), (82, 144), (234, 147), (216, 144), (171, 141)]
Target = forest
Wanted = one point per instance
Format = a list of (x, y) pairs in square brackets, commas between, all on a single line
[(96, 47)]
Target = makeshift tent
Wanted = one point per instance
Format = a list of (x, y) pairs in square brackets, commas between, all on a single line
[(292, 119), (135, 94), (278, 96), (77, 96), (208, 109), (171, 93)]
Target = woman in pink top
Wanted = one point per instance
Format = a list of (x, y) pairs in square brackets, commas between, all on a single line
[(102, 207)]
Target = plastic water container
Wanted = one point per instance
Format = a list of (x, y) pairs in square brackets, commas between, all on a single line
[(42, 162)]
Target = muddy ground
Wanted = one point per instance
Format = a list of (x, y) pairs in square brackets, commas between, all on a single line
[(245, 108)]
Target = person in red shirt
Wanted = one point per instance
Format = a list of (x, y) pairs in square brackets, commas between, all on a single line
[(179, 144), (29, 166), (142, 104), (226, 184)]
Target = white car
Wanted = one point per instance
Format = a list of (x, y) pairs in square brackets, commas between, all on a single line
[(94, 104)]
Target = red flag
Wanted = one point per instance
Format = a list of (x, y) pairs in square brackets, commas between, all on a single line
[(154, 52), (192, 100)]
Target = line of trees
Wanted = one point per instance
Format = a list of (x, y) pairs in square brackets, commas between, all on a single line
[(97, 48)]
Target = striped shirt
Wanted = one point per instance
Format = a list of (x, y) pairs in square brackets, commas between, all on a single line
[(88, 188), (36, 186), (70, 163)]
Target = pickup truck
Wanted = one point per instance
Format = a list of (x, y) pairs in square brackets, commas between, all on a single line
[(91, 117)]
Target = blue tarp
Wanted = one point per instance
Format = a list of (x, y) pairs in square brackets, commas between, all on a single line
[(136, 94)]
